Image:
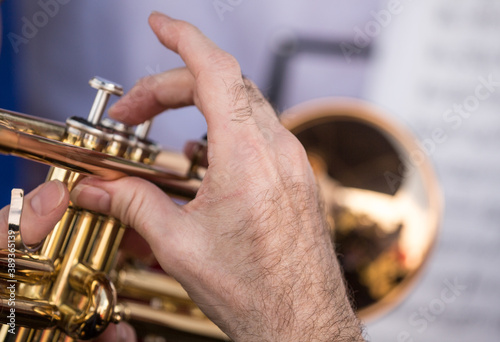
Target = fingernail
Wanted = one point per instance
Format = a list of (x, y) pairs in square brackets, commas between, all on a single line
[(92, 198), (48, 197)]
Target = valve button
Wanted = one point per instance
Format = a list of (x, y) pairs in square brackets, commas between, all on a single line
[(108, 86)]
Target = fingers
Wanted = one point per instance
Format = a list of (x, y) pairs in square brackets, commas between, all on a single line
[(221, 93), (143, 206), (133, 201), (43, 207), (198, 52), (212, 81), (211, 68), (153, 94)]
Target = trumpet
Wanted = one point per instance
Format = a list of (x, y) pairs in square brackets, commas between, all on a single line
[(381, 198)]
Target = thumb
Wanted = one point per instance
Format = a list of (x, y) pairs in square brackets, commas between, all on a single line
[(134, 201), (42, 208)]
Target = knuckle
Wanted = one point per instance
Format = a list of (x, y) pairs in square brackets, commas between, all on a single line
[(293, 147), (182, 26), (221, 60), (146, 83), (249, 84), (297, 151), (142, 82), (255, 97), (294, 156), (131, 207), (141, 89)]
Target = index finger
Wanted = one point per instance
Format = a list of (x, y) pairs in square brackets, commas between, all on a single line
[(196, 50), (220, 91)]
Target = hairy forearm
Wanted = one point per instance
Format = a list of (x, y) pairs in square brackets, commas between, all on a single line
[(321, 314), (313, 306), (293, 287), (308, 308)]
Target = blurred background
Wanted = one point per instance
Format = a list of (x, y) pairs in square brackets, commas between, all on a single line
[(433, 66)]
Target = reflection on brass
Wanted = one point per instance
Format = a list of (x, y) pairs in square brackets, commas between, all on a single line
[(383, 209), (380, 194)]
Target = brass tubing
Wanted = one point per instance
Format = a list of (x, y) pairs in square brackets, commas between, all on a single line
[(159, 289), (48, 335), (105, 244), (136, 283), (32, 124), (4, 331), (30, 269), (79, 276), (100, 303), (84, 224), (138, 314), (55, 243), (29, 313), (22, 335), (88, 162)]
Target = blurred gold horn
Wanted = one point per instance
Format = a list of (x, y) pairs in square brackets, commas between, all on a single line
[(380, 192), (381, 198)]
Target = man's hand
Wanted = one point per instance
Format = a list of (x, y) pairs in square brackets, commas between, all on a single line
[(253, 248), (43, 207)]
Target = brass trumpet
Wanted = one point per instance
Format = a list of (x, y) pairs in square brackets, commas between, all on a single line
[(381, 196)]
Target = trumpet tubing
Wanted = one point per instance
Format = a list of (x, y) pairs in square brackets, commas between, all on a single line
[(74, 286)]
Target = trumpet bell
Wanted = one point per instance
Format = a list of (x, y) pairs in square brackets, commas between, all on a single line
[(380, 193)]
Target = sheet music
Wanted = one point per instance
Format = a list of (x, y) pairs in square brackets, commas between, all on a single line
[(437, 69)]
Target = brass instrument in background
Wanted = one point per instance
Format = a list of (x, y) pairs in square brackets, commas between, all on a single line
[(381, 198)]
